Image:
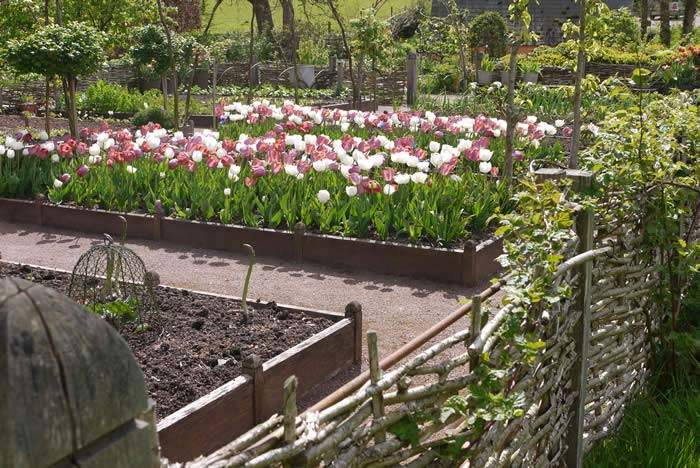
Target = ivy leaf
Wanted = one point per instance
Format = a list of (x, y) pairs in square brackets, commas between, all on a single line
[(406, 430)]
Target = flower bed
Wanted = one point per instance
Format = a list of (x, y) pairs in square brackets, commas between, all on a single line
[(192, 359), (425, 180)]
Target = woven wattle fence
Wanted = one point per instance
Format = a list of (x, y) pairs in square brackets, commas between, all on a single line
[(573, 392)]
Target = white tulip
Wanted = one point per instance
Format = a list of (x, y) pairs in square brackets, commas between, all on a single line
[(485, 154), (351, 190), (559, 123), (57, 183), (131, 169), (2, 150), (485, 167), (197, 156), (402, 179), (531, 119), (389, 189), (321, 165), (419, 177), (10, 154), (291, 169), (95, 150), (55, 158), (323, 196), (227, 192), (434, 146)]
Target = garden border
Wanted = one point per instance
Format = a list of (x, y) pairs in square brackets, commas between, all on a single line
[(217, 418), (468, 266)]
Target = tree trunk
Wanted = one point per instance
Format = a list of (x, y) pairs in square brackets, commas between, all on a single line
[(644, 16), (263, 16), (72, 110), (164, 86), (689, 12), (47, 96), (173, 65), (356, 95), (250, 57), (290, 46), (59, 13), (195, 65), (512, 117), (665, 23), (580, 75)]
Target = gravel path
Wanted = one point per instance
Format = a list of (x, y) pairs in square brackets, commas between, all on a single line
[(397, 308)]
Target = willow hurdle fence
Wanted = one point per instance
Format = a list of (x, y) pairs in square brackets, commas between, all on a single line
[(596, 346)]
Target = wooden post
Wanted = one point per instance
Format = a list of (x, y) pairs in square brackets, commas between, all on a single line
[(375, 373), (54, 410), (157, 217), (469, 276), (412, 79), (353, 311), (39, 200), (333, 63), (475, 327), (254, 72), (299, 233), (582, 329), (252, 365), (290, 416)]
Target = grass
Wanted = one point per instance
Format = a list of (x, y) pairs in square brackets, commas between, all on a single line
[(234, 15), (662, 427)]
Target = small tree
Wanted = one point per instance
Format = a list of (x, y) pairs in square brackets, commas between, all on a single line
[(66, 51), (488, 30), (371, 41), (151, 54)]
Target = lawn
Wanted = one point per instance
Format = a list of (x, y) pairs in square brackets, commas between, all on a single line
[(234, 15)]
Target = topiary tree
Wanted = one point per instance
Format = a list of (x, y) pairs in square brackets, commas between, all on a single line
[(66, 51), (489, 30)]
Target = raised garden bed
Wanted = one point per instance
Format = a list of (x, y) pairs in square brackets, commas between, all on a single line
[(469, 266), (198, 360)]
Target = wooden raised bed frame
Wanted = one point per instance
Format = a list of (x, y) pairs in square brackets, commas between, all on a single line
[(468, 266), (217, 418)]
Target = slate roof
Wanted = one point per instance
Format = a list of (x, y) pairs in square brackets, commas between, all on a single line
[(547, 16)]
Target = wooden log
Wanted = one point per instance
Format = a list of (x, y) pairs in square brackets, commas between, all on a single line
[(375, 374), (253, 366)]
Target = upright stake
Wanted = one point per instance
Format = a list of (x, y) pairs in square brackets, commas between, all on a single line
[(412, 79), (475, 327), (581, 332), (375, 373), (290, 409)]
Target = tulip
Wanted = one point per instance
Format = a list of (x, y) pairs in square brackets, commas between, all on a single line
[(55, 158), (57, 183), (227, 192), (131, 169), (351, 190), (323, 196), (389, 189), (484, 167), (82, 171), (419, 177)]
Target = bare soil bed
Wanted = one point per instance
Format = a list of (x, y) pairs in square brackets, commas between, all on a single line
[(199, 342)]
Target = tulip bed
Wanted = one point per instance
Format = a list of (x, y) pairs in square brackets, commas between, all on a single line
[(420, 178)]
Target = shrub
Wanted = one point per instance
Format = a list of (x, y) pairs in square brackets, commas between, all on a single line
[(153, 115), (488, 30)]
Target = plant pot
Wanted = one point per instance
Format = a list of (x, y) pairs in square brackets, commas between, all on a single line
[(484, 77), (530, 77), (306, 74)]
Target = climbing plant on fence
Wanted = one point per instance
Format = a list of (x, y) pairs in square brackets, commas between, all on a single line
[(592, 268)]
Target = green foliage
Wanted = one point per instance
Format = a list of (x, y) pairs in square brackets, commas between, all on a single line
[(17, 18), (607, 27), (69, 51), (310, 52), (153, 115), (118, 312), (103, 97), (371, 38), (435, 37), (235, 47), (438, 77), (488, 30), (151, 53)]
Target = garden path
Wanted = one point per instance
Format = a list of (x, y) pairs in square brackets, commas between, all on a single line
[(397, 308)]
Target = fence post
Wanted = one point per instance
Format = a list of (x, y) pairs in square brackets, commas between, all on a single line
[(299, 233), (333, 63), (254, 72), (582, 330), (214, 78), (375, 373), (469, 274), (411, 78), (475, 328), (252, 366), (290, 412), (157, 218), (353, 311)]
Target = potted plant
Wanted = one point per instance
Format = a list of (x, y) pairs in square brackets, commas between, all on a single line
[(505, 72), (305, 69), (485, 75), (530, 71)]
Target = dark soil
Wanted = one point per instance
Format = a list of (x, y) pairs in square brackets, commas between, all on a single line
[(199, 341), (10, 123)]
